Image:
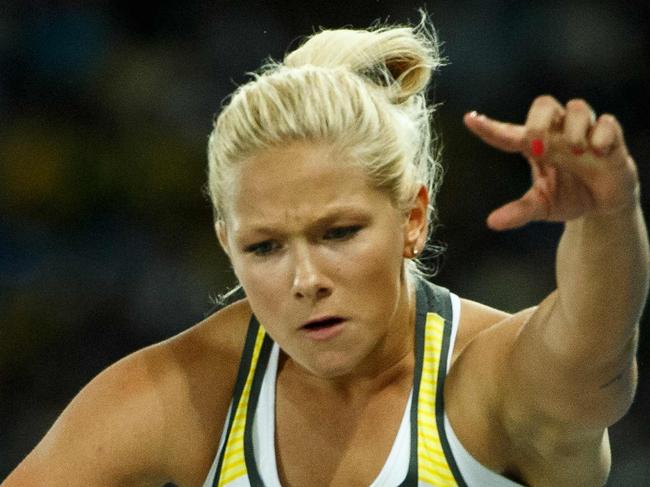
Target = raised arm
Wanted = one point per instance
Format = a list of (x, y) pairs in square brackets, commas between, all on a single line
[(570, 370)]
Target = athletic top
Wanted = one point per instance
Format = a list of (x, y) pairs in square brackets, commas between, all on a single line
[(426, 451)]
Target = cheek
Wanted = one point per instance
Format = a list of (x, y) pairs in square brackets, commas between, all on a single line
[(383, 256), (377, 270)]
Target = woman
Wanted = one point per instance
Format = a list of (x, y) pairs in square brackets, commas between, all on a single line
[(333, 369)]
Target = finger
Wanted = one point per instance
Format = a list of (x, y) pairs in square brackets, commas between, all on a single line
[(606, 136), (546, 114), (578, 120), (530, 207), (559, 155), (503, 136)]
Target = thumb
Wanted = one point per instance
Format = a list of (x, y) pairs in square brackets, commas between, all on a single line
[(519, 212)]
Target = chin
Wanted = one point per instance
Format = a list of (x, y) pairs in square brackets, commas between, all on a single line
[(332, 365)]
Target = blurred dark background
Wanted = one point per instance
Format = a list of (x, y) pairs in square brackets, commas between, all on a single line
[(106, 242)]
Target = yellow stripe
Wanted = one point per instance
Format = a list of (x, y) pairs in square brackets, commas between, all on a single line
[(433, 351), (437, 462), (427, 421), (439, 466), (226, 480), (433, 334), (435, 318), (426, 402), (429, 383), (432, 440), (235, 451), (435, 325), (432, 463), (237, 430), (436, 477), (241, 410), (234, 463)]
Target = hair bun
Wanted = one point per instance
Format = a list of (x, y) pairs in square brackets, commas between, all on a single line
[(398, 60)]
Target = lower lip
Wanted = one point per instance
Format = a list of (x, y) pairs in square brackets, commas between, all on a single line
[(325, 333)]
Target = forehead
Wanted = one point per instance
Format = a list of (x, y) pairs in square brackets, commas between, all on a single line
[(299, 182)]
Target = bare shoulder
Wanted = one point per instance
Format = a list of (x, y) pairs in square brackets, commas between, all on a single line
[(204, 361), (475, 318), (153, 417)]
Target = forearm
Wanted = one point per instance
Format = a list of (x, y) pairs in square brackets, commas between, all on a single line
[(602, 278)]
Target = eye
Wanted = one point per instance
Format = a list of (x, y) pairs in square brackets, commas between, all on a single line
[(261, 249), (342, 233)]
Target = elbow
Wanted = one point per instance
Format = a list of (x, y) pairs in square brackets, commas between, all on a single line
[(601, 396), (611, 387), (618, 393)]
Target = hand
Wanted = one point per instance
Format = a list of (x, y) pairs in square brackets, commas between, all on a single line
[(580, 165)]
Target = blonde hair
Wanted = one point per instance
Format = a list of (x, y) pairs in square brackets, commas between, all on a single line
[(364, 91)]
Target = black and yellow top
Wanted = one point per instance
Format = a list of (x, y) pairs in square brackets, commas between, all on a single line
[(431, 461)]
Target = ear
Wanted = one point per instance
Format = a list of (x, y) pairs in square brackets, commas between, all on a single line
[(417, 224), (222, 235)]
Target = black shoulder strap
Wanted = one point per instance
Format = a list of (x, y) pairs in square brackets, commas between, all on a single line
[(242, 374), (435, 299), (422, 307), (254, 476), (441, 302)]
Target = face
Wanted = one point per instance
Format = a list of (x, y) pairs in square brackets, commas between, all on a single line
[(320, 255)]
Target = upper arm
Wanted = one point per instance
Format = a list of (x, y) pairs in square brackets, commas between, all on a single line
[(564, 382), (110, 434), (549, 411), (555, 403)]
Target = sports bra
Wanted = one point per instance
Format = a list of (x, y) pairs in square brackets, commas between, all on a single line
[(425, 452)]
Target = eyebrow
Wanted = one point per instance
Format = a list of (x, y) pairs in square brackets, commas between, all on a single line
[(328, 217)]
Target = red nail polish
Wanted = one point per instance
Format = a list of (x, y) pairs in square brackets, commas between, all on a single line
[(537, 147), (577, 151)]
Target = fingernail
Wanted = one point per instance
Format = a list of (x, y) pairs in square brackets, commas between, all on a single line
[(473, 114), (577, 151), (537, 147)]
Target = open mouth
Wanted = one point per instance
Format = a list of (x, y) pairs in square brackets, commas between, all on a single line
[(322, 324)]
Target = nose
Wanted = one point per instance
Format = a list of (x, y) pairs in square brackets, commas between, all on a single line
[(309, 282)]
